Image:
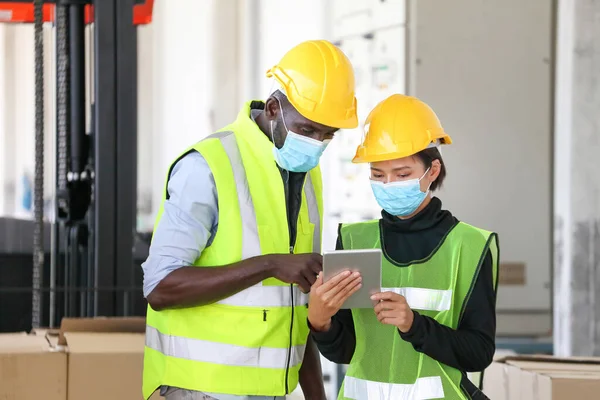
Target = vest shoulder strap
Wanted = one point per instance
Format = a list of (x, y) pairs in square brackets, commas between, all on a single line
[(357, 229), (490, 243), (204, 144)]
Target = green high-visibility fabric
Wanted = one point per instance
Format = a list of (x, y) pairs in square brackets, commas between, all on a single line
[(442, 283)]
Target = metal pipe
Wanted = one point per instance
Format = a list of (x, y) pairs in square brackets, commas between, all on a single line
[(77, 100), (62, 144), (54, 241), (77, 135), (55, 231), (38, 234)]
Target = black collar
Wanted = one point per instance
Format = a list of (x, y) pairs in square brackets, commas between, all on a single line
[(428, 218)]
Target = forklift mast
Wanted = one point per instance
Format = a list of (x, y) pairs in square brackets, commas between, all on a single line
[(91, 271)]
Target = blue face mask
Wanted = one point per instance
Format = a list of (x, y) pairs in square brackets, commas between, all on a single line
[(401, 198), (298, 153)]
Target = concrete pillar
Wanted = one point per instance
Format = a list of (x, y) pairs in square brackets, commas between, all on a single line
[(576, 180)]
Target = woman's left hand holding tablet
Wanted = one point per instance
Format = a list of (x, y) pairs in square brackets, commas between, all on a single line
[(327, 298), (392, 309)]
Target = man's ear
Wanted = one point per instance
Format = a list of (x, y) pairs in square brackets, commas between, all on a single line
[(271, 108)]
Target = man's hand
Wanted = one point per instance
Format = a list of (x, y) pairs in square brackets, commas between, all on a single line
[(327, 298), (392, 309), (301, 269)]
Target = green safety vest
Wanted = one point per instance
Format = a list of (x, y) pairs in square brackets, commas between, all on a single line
[(384, 366), (253, 342)]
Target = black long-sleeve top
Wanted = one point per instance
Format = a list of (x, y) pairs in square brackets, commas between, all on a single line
[(470, 347)]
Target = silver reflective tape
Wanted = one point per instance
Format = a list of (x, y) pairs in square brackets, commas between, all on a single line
[(221, 353), (313, 212), (250, 238), (267, 296), (424, 299), (423, 389), (219, 135)]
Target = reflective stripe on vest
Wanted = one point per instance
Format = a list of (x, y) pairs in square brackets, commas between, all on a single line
[(250, 238), (313, 213), (423, 389), (260, 295), (221, 353), (267, 296), (424, 299)]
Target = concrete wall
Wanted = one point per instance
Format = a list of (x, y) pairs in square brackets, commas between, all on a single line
[(203, 70), (486, 68), (181, 44), (17, 111)]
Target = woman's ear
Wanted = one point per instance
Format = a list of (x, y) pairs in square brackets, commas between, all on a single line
[(434, 170)]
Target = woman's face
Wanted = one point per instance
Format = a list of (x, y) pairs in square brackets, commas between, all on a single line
[(402, 169)]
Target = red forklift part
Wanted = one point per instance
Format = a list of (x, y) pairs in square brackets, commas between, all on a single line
[(23, 13)]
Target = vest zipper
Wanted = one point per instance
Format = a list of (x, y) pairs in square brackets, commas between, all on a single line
[(289, 355), (265, 315)]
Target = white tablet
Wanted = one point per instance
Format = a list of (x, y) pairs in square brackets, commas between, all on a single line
[(367, 262)]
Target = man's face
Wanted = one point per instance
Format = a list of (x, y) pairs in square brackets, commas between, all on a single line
[(279, 110)]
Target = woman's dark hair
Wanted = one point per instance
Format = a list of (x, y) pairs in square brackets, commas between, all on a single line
[(427, 156)]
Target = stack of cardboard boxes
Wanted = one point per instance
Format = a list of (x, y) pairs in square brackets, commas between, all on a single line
[(543, 378), (91, 359), (102, 358)]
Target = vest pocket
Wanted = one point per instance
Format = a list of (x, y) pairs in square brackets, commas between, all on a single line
[(268, 246), (304, 237)]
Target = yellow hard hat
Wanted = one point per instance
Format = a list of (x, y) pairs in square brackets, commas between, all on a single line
[(398, 127), (318, 80)]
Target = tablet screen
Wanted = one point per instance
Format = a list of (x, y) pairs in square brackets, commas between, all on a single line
[(367, 262)]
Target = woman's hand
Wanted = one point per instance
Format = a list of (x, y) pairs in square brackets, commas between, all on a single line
[(392, 309), (326, 299)]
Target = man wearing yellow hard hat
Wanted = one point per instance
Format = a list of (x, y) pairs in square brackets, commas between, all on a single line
[(236, 244), (434, 319)]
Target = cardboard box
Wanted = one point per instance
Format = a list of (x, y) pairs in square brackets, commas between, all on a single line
[(30, 369), (542, 378), (105, 357), (88, 358)]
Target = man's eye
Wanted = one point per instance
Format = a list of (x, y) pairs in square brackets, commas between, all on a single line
[(307, 131)]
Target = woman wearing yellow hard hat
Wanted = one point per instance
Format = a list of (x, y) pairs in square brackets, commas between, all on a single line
[(434, 319)]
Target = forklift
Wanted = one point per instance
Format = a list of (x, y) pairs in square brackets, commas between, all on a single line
[(86, 262)]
